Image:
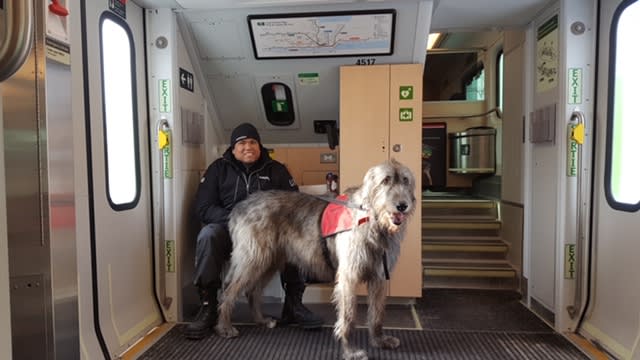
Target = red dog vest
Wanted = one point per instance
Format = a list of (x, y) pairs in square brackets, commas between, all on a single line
[(337, 218)]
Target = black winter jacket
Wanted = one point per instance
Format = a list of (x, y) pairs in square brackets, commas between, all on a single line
[(227, 181)]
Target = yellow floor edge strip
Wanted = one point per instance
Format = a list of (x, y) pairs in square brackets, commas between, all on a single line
[(146, 342), (586, 346)]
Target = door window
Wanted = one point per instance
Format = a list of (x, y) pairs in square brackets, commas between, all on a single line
[(120, 117)]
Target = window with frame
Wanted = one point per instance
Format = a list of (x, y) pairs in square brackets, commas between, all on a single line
[(119, 113), (622, 174), (500, 79)]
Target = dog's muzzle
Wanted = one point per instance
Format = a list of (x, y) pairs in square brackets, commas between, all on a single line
[(400, 216)]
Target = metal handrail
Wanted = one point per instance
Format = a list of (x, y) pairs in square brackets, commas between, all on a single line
[(162, 125), (494, 110), (15, 46), (578, 118)]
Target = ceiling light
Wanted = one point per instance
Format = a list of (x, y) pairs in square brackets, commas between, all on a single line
[(433, 39)]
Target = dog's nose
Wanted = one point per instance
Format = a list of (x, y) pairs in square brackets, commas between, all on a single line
[(402, 207)]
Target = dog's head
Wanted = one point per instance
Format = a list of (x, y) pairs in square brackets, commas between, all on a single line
[(388, 191)]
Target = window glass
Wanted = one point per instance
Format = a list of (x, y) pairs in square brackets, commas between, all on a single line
[(624, 123), (474, 88), (120, 120), (500, 79)]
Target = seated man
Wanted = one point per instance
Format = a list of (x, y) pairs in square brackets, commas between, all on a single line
[(244, 168)]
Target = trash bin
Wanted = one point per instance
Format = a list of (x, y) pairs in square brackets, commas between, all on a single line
[(473, 151)]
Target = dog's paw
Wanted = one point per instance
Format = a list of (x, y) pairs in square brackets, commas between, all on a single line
[(227, 332), (385, 342), (269, 323), (358, 354)]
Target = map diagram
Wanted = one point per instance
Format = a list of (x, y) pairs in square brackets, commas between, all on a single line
[(339, 35)]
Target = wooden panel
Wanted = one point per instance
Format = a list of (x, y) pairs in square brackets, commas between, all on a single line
[(316, 177), (364, 121), (405, 140), (369, 127), (305, 163)]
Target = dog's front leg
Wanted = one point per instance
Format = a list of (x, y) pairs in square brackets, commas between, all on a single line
[(345, 298), (375, 316)]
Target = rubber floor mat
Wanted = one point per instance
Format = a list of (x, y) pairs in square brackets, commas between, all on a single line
[(258, 343)]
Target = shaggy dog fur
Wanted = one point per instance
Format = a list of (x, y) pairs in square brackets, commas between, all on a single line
[(274, 227)]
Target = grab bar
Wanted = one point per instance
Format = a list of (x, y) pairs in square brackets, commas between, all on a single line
[(578, 119), (161, 127), (15, 46), (495, 110)]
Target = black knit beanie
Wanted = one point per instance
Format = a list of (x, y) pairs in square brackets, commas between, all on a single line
[(242, 132)]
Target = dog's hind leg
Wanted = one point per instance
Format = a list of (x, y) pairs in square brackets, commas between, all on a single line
[(375, 315), (229, 296), (254, 297), (237, 281), (344, 295)]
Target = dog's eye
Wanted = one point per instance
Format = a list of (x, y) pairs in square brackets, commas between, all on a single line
[(386, 180), (405, 180)]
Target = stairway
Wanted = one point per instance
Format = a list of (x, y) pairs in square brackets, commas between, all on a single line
[(461, 244)]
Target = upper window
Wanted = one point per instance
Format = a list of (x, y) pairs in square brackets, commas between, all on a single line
[(119, 113), (622, 172), (500, 79)]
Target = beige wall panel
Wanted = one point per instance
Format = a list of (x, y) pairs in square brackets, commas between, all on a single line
[(370, 126), (364, 121), (407, 277), (305, 163)]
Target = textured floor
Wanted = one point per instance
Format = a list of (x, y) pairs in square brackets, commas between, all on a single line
[(444, 324)]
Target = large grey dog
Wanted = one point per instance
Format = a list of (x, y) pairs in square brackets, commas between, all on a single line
[(272, 227)]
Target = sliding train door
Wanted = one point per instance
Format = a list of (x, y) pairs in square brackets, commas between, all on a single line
[(613, 315), (124, 302)]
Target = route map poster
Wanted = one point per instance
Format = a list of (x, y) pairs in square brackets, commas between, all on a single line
[(344, 33)]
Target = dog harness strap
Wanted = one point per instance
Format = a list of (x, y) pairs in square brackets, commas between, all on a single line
[(341, 199), (385, 266), (326, 255)]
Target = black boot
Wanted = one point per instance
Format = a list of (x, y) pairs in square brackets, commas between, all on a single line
[(204, 322), (293, 312)]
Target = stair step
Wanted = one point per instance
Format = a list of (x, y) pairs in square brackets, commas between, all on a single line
[(476, 248), (458, 217), (461, 245), (480, 225), (461, 238), (441, 282), (459, 203), (468, 269)]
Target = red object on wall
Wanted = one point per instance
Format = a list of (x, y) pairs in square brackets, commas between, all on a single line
[(58, 9)]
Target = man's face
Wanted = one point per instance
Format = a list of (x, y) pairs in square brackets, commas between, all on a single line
[(247, 151)]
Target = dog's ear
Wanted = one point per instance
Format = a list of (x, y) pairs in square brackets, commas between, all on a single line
[(368, 183)]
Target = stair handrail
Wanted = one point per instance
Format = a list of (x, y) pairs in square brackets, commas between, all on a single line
[(16, 44)]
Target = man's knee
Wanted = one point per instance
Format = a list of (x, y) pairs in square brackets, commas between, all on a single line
[(214, 241)]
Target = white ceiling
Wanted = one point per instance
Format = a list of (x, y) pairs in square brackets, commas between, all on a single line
[(484, 14), (448, 14)]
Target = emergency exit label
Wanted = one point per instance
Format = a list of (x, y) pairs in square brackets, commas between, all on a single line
[(572, 154), (170, 253), (575, 86), (406, 114), (164, 93), (406, 92), (570, 261)]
